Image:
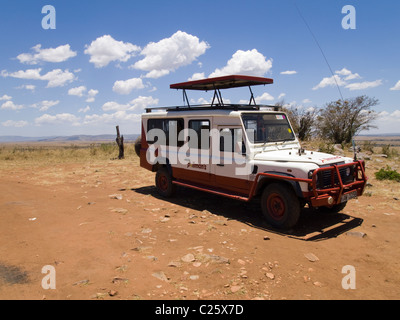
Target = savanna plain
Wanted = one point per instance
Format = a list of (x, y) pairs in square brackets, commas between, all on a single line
[(99, 223)]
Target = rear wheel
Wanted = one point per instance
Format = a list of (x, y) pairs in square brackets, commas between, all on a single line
[(138, 145), (164, 184), (280, 206)]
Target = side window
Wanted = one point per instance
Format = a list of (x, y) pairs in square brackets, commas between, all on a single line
[(174, 126), (171, 128), (229, 138), (202, 129), (226, 143)]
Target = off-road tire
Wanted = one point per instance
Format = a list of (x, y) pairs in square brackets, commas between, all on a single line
[(164, 184), (138, 146), (280, 206)]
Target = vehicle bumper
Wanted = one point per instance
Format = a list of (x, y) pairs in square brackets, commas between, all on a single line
[(338, 191)]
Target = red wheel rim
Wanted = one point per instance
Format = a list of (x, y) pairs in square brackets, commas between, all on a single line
[(276, 206), (163, 182)]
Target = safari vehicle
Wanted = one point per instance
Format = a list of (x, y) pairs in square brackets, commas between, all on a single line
[(243, 151)]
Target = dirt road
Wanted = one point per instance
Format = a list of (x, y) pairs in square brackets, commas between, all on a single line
[(106, 234)]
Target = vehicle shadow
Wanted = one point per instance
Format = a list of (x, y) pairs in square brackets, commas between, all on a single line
[(313, 225)]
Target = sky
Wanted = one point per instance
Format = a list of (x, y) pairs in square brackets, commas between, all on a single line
[(83, 67)]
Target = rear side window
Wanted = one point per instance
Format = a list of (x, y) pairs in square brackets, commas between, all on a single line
[(171, 128)]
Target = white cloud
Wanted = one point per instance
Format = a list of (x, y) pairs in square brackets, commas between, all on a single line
[(281, 95), (169, 54), (396, 86), (140, 103), (115, 106), (27, 87), (106, 49), (80, 92), (5, 97), (343, 77), (349, 75), (93, 92), (364, 85), (77, 91), (57, 119), (91, 95), (387, 116), (126, 86), (45, 104), (330, 81), (59, 54), (58, 78), (118, 117), (16, 124), (249, 62), (155, 74), (306, 100), (11, 105), (289, 72), (84, 110), (388, 121), (55, 78), (31, 74), (197, 76), (264, 97)]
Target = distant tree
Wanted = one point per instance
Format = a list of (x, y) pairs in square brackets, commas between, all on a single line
[(302, 120), (341, 120)]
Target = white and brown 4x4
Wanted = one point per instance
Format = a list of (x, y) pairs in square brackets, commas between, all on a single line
[(243, 151)]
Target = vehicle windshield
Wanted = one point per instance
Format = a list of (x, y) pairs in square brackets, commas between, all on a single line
[(267, 127)]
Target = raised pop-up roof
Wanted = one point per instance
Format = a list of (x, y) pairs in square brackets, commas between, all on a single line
[(226, 82)]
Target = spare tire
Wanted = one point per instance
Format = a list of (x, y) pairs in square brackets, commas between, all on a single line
[(138, 145)]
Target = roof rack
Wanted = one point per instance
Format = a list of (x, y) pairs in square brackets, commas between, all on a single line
[(234, 107), (225, 82)]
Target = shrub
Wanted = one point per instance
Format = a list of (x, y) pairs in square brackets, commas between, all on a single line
[(387, 174), (368, 146), (390, 152), (326, 147)]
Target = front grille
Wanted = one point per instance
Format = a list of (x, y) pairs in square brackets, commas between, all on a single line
[(325, 177)]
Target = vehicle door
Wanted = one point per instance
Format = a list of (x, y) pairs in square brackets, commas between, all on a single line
[(230, 169), (195, 154)]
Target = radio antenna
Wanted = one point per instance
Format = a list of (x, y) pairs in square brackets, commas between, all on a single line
[(316, 41)]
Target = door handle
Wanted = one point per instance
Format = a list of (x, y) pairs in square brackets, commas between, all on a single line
[(220, 165)]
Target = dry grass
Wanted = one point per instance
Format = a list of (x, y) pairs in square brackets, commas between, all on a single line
[(38, 154)]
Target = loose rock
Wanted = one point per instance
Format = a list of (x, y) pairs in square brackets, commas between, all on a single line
[(270, 275), (116, 196), (311, 257), (188, 258), (356, 234), (160, 275), (235, 288)]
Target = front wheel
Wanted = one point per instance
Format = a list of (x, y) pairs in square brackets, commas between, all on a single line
[(280, 206), (164, 184)]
